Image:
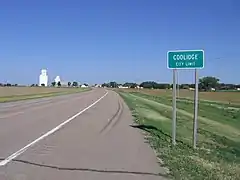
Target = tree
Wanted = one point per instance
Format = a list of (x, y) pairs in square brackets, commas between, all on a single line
[(75, 84), (208, 82), (8, 84), (149, 85), (131, 85), (146, 84), (161, 86), (69, 84), (105, 85), (193, 86), (59, 84), (184, 86), (227, 86), (113, 84), (85, 84), (53, 83)]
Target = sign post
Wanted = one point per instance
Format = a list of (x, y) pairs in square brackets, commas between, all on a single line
[(174, 107), (185, 59), (195, 125), (178, 87)]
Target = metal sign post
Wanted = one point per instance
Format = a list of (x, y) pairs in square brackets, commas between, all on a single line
[(174, 112), (185, 59), (177, 83), (195, 124)]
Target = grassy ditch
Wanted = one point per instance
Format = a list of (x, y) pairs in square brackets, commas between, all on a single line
[(218, 152)]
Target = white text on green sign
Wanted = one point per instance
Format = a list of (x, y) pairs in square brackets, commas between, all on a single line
[(186, 59)]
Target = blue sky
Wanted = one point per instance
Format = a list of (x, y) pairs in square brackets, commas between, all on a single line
[(99, 41)]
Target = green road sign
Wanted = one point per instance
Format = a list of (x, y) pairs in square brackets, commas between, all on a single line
[(186, 59)]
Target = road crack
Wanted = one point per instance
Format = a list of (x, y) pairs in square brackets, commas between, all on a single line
[(87, 169)]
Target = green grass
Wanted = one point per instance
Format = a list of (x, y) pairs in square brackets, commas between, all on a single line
[(40, 95), (218, 152)]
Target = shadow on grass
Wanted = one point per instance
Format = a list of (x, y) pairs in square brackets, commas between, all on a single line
[(159, 133), (225, 149)]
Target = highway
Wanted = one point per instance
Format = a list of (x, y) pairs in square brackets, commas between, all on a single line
[(80, 136)]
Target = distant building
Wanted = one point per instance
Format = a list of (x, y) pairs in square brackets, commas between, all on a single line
[(123, 87), (98, 85), (43, 78), (138, 87), (83, 86), (57, 79), (213, 89)]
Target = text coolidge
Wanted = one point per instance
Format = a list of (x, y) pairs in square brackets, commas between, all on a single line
[(185, 57)]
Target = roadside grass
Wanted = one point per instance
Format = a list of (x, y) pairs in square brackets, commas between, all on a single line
[(220, 97), (18, 97), (218, 152), (217, 112)]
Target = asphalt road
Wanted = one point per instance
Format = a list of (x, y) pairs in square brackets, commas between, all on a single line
[(82, 136)]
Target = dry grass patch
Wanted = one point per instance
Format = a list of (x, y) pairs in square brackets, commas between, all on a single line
[(21, 93), (14, 91)]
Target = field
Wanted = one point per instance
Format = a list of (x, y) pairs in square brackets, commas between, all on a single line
[(218, 152), (221, 97), (21, 93)]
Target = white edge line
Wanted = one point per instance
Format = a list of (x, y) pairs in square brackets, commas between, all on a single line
[(19, 152)]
